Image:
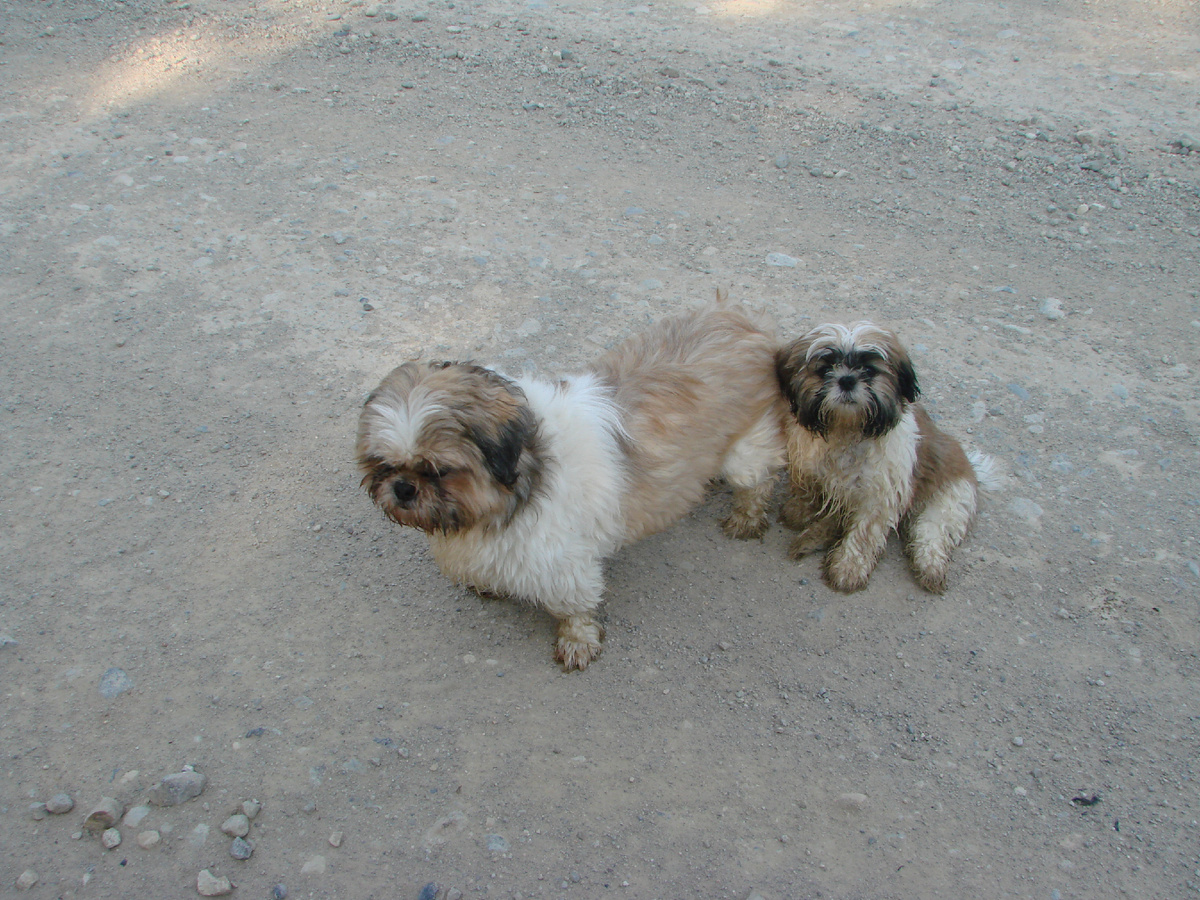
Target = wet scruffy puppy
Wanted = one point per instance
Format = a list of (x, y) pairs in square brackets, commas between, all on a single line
[(864, 458), (524, 485)]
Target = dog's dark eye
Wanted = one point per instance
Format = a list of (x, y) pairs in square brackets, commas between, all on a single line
[(429, 473), (823, 369)]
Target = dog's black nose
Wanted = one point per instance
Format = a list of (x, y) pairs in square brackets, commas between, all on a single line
[(847, 383), (404, 491)]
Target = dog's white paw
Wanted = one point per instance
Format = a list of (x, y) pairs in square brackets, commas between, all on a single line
[(579, 642)]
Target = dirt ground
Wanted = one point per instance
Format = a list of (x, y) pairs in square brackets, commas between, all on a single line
[(222, 221)]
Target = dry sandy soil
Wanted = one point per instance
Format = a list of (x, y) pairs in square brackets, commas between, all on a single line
[(222, 222)]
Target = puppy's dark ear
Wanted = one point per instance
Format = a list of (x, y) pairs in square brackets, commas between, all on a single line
[(906, 380), (502, 444), (785, 371), (801, 388)]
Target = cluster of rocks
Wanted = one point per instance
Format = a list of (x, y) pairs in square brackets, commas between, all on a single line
[(237, 826), (107, 816)]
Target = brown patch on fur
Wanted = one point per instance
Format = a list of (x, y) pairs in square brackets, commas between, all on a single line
[(940, 460)]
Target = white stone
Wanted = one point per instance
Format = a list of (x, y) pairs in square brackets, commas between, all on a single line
[(315, 866), (209, 885), (148, 840), (236, 825)]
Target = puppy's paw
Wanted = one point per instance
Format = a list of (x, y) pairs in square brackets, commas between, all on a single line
[(845, 575), (796, 513), (744, 527), (816, 537), (932, 580), (579, 642)]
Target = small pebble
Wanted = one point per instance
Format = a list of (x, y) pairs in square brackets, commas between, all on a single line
[(148, 840), (27, 879), (496, 843), (104, 814), (236, 825), (1018, 742), (114, 682), (37, 811), (111, 839), (1051, 308), (852, 802), (335, 839), (251, 808), (279, 892), (430, 891), (454, 894), (135, 816), (315, 866), (241, 848), (59, 804), (209, 885), (178, 788), (781, 161), (1024, 508)]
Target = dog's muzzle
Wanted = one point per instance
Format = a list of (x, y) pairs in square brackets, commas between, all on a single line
[(404, 492)]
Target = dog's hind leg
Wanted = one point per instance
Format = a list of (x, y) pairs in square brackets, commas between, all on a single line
[(751, 467)]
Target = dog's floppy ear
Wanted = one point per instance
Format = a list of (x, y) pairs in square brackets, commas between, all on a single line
[(785, 371), (800, 387), (507, 429), (503, 442), (906, 379)]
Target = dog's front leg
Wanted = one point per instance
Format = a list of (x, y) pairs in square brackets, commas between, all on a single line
[(849, 563), (579, 641), (804, 505), (574, 604)]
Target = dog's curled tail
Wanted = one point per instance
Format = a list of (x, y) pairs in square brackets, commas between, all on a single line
[(985, 470)]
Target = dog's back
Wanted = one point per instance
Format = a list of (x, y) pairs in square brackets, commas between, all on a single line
[(691, 387)]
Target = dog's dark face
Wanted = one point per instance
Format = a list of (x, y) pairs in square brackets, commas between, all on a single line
[(847, 380), (446, 447)]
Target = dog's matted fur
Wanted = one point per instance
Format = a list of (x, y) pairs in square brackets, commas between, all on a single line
[(864, 457), (525, 485)]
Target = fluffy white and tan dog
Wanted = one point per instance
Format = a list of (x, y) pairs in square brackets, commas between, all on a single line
[(864, 458), (524, 486)]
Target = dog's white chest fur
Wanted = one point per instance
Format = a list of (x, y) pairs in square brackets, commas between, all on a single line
[(549, 553), (859, 472)]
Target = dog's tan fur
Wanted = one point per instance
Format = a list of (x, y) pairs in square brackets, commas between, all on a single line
[(525, 486), (868, 460)]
